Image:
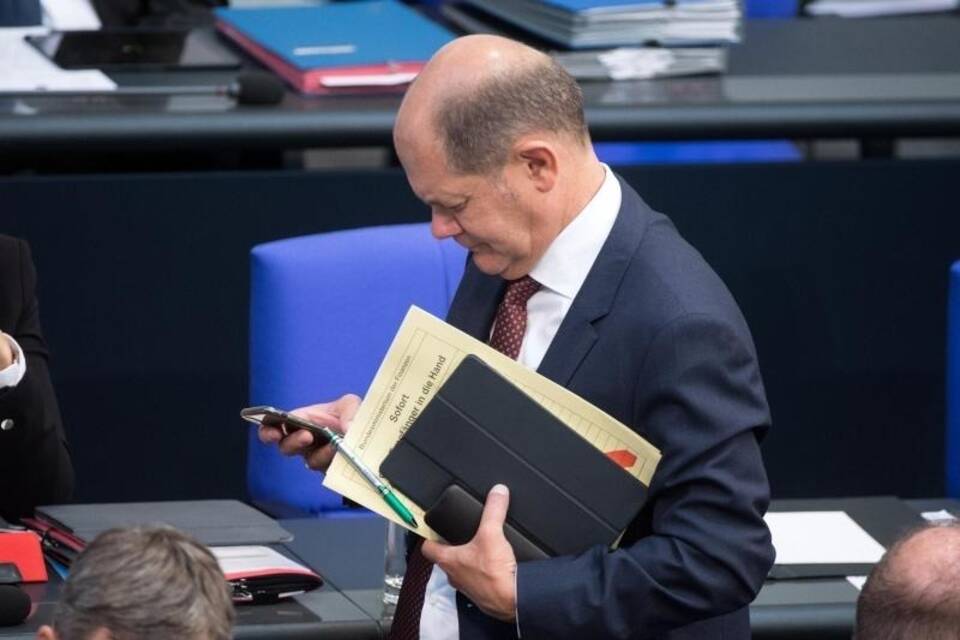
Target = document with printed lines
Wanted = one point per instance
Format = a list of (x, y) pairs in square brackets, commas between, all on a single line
[(423, 353)]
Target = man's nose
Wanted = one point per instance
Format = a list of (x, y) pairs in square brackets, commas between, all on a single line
[(443, 226)]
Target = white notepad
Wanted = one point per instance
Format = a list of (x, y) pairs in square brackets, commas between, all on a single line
[(821, 537)]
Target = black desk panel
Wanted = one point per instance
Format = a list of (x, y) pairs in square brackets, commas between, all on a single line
[(821, 77), (348, 552), (805, 609)]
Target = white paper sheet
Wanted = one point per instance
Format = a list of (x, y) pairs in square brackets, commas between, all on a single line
[(857, 581), (938, 517), (67, 15), (26, 69), (821, 537), (869, 8)]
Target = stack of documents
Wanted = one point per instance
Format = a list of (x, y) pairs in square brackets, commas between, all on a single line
[(867, 8), (580, 24), (330, 47), (641, 63)]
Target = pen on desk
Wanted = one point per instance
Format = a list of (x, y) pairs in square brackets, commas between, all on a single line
[(337, 441)]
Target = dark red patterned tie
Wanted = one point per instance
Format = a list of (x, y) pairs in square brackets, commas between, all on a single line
[(511, 320), (508, 329), (406, 618)]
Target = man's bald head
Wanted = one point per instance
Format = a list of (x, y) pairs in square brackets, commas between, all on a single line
[(914, 592), (479, 94)]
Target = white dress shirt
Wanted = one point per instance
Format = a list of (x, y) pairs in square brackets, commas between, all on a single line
[(12, 375), (561, 272)]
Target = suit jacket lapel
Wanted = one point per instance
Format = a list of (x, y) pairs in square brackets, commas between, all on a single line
[(577, 333), (475, 304)]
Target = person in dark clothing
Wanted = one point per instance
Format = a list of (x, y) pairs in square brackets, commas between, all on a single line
[(35, 465)]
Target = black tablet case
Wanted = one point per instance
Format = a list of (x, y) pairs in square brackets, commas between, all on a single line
[(480, 430)]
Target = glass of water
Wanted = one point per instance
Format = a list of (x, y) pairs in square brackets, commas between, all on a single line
[(395, 565)]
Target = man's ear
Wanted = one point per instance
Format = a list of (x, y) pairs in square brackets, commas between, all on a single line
[(46, 632), (538, 159)]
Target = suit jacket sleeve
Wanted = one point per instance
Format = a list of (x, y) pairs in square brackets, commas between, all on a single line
[(704, 549), (33, 454)]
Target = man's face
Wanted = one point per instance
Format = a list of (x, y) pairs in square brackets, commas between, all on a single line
[(489, 215)]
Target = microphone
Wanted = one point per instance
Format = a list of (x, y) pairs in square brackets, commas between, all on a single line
[(249, 88), (256, 87), (14, 605)]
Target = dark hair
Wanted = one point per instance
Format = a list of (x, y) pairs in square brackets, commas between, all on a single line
[(478, 126), (147, 583), (894, 607)]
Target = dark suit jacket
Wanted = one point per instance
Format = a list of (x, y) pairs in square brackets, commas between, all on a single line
[(35, 465), (655, 339)]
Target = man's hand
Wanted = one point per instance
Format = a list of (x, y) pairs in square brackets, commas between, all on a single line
[(484, 569), (6, 351), (336, 415)]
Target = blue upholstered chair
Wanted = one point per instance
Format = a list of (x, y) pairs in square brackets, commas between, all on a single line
[(953, 383), (323, 311)]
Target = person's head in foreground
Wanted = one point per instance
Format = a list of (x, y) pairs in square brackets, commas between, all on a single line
[(148, 583), (914, 592), (492, 136)]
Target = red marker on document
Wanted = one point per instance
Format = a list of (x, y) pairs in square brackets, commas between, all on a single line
[(622, 457)]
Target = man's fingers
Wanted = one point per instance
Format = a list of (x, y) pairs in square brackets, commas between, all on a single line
[(269, 435), (296, 443), (435, 552), (335, 415), (347, 407), (321, 416), (320, 459), (6, 351), (495, 509), (301, 442)]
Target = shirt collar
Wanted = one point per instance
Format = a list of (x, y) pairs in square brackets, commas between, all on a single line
[(571, 255)]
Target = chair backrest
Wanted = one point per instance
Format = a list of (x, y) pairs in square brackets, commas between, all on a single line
[(323, 311), (953, 383)]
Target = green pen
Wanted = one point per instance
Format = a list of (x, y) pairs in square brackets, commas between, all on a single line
[(284, 421)]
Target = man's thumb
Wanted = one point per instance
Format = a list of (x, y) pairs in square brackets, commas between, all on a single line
[(495, 509)]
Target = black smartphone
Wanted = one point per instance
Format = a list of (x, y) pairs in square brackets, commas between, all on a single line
[(286, 422), (135, 49)]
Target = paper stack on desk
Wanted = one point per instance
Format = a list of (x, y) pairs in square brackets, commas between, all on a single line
[(869, 8), (423, 354), (582, 24), (641, 63)]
